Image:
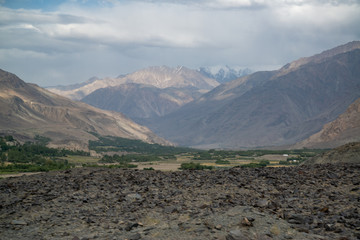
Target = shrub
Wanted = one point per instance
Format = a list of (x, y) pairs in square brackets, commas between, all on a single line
[(262, 163), (194, 166), (150, 168), (222, 162)]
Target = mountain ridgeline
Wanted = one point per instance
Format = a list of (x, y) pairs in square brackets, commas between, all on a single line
[(28, 110), (224, 74), (296, 106), (267, 109), (147, 93)]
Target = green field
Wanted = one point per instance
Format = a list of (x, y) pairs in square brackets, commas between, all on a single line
[(124, 153)]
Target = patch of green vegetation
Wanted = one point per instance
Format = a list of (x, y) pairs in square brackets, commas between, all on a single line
[(222, 162), (117, 144), (262, 163), (79, 160), (31, 157), (42, 165), (194, 166), (41, 140), (147, 169), (129, 158)]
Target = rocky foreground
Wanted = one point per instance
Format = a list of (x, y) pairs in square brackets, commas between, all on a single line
[(307, 202)]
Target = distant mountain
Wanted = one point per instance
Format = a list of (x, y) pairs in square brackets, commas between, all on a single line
[(225, 73), (74, 86), (140, 101), (28, 110), (160, 77), (270, 108), (344, 129)]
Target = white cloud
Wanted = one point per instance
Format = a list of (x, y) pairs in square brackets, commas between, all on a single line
[(123, 36)]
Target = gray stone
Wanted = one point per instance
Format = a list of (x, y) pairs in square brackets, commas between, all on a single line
[(135, 236), (18, 222), (237, 235), (262, 203), (133, 197)]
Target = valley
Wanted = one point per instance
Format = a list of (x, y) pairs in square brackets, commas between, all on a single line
[(179, 120), (284, 108), (111, 152)]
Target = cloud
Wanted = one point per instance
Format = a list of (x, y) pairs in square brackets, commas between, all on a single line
[(79, 39)]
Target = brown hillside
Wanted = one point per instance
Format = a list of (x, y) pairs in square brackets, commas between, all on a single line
[(348, 153), (27, 109), (344, 129)]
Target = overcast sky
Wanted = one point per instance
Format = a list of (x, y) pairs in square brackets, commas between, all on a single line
[(68, 41)]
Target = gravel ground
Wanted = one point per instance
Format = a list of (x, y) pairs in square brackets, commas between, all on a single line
[(305, 202)]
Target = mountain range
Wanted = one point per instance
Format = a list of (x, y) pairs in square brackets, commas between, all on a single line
[(161, 77), (147, 93), (312, 102), (270, 108), (28, 110)]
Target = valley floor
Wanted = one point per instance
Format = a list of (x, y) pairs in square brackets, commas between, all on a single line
[(304, 202)]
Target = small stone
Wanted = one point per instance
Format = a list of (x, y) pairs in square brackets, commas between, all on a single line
[(18, 222), (262, 203), (246, 223), (130, 226), (297, 219), (329, 227), (237, 235), (324, 210), (170, 209), (218, 227), (133, 197), (251, 219), (275, 230), (135, 236)]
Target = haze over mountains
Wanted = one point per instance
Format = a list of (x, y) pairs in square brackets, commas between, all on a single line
[(311, 102), (161, 77), (270, 108), (147, 93), (28, 110)]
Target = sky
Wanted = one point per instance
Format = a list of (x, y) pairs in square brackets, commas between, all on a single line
[(61, 42)]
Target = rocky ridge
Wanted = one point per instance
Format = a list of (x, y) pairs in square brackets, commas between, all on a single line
[(307, 202), (28, 110), (344, 129), (158, 76), (348, 153)]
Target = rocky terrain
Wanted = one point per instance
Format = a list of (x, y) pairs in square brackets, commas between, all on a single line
[(348, 153), (306, 202), (344, 129)]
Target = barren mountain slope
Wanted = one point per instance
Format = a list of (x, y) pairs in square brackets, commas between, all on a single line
[(348, 153), (269, 108), (139, 101), (27, 109), (344, 129)]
